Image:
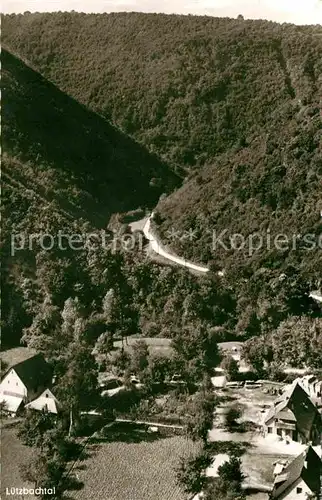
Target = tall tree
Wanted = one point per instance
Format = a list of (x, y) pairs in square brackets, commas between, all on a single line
[(78, 386), (139, 356), (196, 350), (44, 334)]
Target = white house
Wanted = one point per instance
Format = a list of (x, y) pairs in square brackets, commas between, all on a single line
[(46, 401), (294, 416), (302, 477), (23, 382)]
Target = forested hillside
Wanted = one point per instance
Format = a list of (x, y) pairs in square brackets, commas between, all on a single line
[(104, 113), (66, 170), (239, 98), (75, 157), (187, 87)]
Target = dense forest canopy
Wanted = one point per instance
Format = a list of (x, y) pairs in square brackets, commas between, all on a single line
[(105, 113), (187, 87)]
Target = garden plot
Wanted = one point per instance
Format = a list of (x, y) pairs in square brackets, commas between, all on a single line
[(133, 467)]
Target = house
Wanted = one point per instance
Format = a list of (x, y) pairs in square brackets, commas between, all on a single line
[(24, 381), (46, 401), (313, 386), (299, 479), (294, 416)]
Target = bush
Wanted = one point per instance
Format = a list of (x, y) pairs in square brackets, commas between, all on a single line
[(233, 414), (230, 365), (190, 473)]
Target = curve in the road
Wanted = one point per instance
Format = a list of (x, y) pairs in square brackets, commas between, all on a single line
[(157, 248)]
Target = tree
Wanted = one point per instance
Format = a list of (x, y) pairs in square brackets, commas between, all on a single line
[(232, 415), (33, 427), (72, 319), (78, 386), (139, 357), (120, 360), (230, 365), (298, 342), (44, 333), (207, 386), (105, 343), (159, 368), (118, 314), (3, 408), (201, 418), (196, 351), (199, 426), (217, 489), (230, 472), (228, 485), (190, 473), (109, 306), (254, 353)]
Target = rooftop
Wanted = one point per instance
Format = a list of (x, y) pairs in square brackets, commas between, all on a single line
[(34, 372), (307, 466)]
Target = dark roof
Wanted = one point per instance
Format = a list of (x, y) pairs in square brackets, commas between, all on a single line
[(307, 466), (295, 405), (34, 372)]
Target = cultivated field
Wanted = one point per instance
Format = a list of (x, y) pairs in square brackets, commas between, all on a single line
[(133, 467), (13, 455)]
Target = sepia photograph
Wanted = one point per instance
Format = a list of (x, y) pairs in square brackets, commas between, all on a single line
[(161, 250)]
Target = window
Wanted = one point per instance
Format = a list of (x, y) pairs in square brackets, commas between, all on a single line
[(298, 490)]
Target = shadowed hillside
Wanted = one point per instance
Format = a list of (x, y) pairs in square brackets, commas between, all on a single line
[(70, 155)]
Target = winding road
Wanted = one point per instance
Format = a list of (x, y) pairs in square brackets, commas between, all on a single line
[(157, 248)]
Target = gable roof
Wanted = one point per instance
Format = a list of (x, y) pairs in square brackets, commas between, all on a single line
[(34, 372), (306, 466), (295, 405), (12, 403), (46, 400)]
